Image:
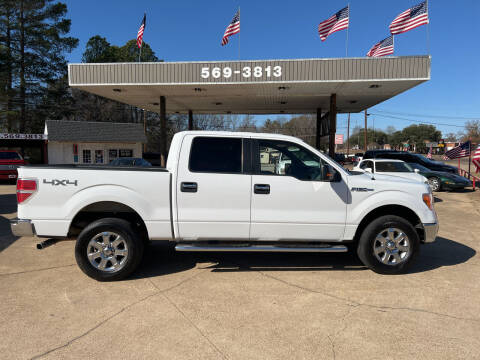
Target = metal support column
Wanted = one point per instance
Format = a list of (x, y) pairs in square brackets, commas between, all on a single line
[(365, 133), (333, 125), (163, 132), (190, 120), (319, 125)]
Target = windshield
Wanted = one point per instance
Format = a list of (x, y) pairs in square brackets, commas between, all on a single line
[(10, 155), (418, 166), (423, 158), (392, 166)]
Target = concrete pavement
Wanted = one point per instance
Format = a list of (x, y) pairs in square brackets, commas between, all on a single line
[(245, 306)]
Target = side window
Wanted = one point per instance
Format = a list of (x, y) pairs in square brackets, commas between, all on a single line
[(215, 154), (367, 164), (284, 158)]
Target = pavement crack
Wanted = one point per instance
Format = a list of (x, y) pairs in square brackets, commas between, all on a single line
[(69, 342), (103, 322), (190, 321), (354, 303), (35, 270)]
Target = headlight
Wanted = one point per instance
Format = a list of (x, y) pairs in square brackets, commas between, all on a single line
[(428, 200)]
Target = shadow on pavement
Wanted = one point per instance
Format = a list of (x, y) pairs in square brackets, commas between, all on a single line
[(442, 252), (8, 205), (162, 259)]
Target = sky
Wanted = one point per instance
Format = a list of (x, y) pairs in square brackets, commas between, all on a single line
[(184, 30)]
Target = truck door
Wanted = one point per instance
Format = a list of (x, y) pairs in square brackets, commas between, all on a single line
[(213, 188), (291, 199)]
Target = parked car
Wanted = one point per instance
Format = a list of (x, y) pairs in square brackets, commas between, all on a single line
[(340, 158), (390, 167), (440, 180), (127, 161), (217, 193), (413, 158), (358, 156), (9, 162)]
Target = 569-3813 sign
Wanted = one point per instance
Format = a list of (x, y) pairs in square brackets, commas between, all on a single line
[(245, 72)]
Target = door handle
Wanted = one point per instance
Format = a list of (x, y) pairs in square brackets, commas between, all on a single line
[(188, 187), (261, 189)]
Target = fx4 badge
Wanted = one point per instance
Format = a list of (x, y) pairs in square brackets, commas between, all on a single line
[(56, 182), (361, 189)]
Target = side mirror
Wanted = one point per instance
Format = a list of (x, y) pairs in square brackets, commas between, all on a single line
[(330, 174), (369, 170), (416, 170)]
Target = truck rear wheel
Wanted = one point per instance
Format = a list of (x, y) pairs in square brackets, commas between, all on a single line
[(388, 245), (108, 249)]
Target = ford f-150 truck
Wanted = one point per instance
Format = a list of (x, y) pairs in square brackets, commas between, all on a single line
[(222, 191)]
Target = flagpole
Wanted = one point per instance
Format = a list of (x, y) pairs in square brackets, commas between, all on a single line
[(469, 156), (428, 29), (346, 41), (239, 34)]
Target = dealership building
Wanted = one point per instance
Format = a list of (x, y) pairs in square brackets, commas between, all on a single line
[(297, 86)]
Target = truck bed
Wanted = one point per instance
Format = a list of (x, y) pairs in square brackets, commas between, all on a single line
[(65, 190)]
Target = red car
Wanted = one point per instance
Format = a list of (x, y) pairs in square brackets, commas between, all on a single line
[(9, 162)]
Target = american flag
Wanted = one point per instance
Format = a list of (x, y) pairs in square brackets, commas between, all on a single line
[(382, 48), (336, 22), (232, 28), (140, 31), (461, 150), (429, 155), (476, 158), (410, 19)]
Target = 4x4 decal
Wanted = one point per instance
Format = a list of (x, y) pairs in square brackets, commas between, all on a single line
[(56, 182)]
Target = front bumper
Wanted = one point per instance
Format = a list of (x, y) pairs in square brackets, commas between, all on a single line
[(22, 227), (431, 231)]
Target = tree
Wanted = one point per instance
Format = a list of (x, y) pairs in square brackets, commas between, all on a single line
[(472, 131), (129, 52), (451, 137), (99, 50), (390, 129), (41, 42)]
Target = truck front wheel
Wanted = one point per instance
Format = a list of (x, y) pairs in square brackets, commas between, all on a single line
[(108, 249), (388, 245)]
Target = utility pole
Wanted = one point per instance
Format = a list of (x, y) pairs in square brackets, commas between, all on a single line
[(365, 132), (348, 134)]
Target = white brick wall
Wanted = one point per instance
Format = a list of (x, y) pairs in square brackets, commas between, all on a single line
[(62, 152)]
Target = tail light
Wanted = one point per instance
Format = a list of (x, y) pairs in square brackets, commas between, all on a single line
[(25, 189)]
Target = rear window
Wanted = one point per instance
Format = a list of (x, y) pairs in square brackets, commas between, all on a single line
[(217, 155), (10, 155)]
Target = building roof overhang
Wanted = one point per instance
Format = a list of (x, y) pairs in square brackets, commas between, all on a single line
[(253, 86)]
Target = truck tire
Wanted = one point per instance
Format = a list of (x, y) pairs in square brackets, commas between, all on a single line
[(388, 245), (108, 249)]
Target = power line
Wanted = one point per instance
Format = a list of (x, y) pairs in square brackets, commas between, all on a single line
[(429, 116), (416, 121)]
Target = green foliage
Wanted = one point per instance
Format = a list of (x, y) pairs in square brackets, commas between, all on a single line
[(33, 59), (99, 50)]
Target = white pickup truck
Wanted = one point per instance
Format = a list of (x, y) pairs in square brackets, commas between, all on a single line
[(222, 191)]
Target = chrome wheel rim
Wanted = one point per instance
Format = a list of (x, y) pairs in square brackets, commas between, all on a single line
[(434, 184), (392, 246), (107, 251)]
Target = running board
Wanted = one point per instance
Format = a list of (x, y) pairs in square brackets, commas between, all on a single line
[(262, 248)]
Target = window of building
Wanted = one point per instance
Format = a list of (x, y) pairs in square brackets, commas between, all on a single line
[(98, 156), (112, 154), (218, 155), (285, 158), (125, 153), (87, 156)]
